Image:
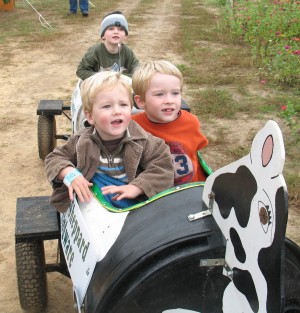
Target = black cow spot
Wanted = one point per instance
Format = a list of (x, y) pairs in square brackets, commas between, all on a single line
[(235, 190), (271, 259), (244, 283), (237, 245)]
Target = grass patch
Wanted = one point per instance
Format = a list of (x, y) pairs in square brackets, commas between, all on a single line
[(216, 103), (223, 81), (219, 67), (24, 21)]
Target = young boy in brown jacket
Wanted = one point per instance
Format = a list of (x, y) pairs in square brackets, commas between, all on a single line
[(115, 152)]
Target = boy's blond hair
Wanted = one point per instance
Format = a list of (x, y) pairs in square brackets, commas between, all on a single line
[(99, 82), (144, 73)]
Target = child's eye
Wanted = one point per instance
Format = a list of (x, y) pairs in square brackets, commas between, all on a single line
[(107, 106), (124, 104), (159, 94), (176, 93)]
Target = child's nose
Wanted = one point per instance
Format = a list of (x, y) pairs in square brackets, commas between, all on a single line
[(169, 98), (116, 109)]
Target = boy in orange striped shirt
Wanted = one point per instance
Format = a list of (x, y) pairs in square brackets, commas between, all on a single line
[(158, 88)]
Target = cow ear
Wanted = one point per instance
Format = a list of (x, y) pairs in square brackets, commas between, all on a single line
[(267, 150)]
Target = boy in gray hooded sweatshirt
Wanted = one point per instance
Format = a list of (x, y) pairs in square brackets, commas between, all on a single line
[(111, 54)]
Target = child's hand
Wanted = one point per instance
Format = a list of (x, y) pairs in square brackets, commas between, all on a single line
[(75, 182), (126, 191), (81, 186)]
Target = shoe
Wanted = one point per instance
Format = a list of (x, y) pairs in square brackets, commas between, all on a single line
[(71, 13), (85, 13)]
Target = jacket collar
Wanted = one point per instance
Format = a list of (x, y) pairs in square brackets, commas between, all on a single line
[(133, 132)]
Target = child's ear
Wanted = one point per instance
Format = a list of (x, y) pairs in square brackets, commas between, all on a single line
[(140, 104), (89, 117)]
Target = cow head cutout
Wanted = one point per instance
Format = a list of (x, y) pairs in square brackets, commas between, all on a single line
[(250, 207)]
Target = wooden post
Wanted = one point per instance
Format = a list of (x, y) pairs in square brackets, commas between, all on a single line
[(7, 5)]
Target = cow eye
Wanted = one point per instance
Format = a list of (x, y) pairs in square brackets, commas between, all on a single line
[(264, 215)]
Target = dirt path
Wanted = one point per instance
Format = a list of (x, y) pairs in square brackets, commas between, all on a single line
[(47, 71)]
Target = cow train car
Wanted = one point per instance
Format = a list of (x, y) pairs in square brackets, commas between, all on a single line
[(212, 247)]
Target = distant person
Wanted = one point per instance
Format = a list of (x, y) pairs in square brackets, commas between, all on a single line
[(111, 54), (83, 4), (115, 153), (158, 88)]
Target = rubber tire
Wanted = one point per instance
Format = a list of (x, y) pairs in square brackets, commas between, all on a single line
[(31, 275), (292, 277), (46, 132)]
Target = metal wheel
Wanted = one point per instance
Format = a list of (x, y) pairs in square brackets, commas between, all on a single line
[(46, 132), (31, 275)]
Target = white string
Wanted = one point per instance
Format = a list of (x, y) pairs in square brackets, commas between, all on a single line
[(92, 4), (41, 19)]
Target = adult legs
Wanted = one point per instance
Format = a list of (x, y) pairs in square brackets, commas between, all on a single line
[(84, 6), (73, 6)]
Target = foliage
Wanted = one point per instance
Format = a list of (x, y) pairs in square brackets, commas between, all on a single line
[(224, 83), (272, 29), (290, 113)]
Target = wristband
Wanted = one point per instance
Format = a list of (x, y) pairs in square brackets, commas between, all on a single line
[(71, 176)]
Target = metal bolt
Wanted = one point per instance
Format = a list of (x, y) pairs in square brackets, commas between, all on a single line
[(211, 195)]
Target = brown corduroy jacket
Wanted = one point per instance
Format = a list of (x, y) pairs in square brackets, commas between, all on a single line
[(147, 161)]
